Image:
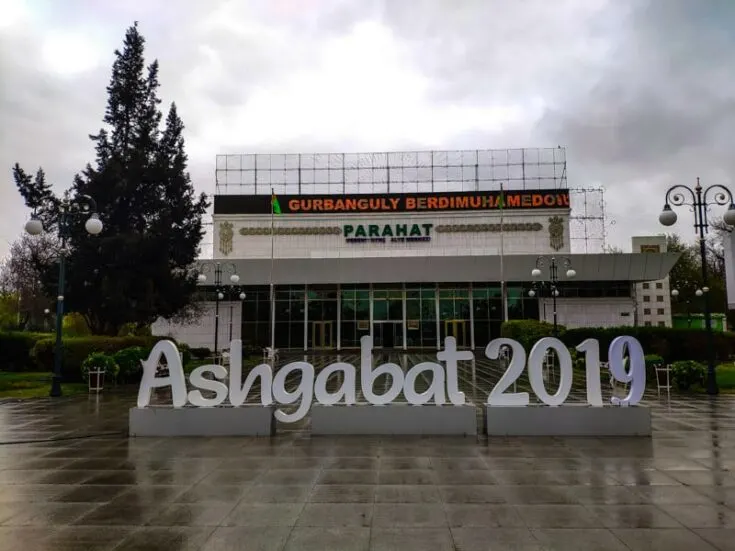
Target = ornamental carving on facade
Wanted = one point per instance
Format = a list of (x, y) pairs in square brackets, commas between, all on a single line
[(318, 230), (494, 228), (225, 238), (556, 232)]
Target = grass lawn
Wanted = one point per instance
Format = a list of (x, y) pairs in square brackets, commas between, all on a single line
[(726, 377), (725, 380), (34, 385)]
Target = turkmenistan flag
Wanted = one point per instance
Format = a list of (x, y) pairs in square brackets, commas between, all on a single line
[(275, 205)]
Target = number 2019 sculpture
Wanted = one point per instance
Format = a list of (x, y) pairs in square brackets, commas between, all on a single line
[(635, 376)]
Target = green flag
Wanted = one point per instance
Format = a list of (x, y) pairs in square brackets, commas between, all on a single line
[(501, 199), (275, 205)]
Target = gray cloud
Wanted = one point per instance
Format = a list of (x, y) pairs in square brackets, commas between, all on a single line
[(640, 92), (661, 113)]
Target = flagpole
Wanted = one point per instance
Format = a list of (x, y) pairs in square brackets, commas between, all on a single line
[(272, 291), (503, 293)]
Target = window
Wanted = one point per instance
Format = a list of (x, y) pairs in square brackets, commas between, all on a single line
[(646, 285), (659, 285), (660, 311), (659, 298), (650, 248), (648, 324), (646, 298), (662, 324), (646, 311)]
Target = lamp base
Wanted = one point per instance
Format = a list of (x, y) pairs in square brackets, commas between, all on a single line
[(56, 387)]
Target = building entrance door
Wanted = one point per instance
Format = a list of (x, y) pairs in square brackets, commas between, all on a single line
[(322, 334), (387, 334), (458, 330)]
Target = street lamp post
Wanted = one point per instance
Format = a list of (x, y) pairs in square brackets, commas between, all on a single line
[(242, 297), (220, 290), (68, 210), (553, 280), (700, 200), (698, 293)]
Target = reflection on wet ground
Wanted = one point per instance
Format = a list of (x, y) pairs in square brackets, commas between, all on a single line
[(70, 479)]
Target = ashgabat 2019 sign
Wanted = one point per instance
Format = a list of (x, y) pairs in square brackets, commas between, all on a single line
[(444, 382)]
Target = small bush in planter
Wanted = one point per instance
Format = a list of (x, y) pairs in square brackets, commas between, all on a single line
[(687, 373), (98, 360), (128, 361)]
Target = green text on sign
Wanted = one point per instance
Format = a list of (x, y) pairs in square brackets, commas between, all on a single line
[(387, 230)]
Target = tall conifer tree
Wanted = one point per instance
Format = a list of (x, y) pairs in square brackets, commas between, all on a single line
[(138, 268)]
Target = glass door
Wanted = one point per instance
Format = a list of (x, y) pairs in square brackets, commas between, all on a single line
[(388, 334), (458, 330), (322, 334)]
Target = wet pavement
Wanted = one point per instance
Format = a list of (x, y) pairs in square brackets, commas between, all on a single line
[(70, 479)]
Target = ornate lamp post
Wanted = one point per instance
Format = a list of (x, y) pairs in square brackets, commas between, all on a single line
[(220, 290), (553, 280), (46, 313), (699, 200), (698, 293), (68, 211)]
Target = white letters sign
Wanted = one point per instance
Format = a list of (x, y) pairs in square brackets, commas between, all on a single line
[(443, 390)]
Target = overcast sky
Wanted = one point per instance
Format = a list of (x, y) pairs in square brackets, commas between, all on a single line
[(640, 92)]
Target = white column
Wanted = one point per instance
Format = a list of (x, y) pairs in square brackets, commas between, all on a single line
[(306, 318), (472, 319), (371, 310), (404, 316), (339, 316), (438, 320)]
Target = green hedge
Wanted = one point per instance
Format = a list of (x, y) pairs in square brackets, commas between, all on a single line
[(15, 350), (669, 343), (527, 332), (77, 349)]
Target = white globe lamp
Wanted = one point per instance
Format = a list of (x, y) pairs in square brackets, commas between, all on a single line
[(93, 225), (667, 216), (34, 226)]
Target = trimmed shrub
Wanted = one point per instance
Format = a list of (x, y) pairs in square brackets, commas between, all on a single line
[(100, 360), (134, 330), (652, 360), (201, 352), (527, 332), (128, 360), (15, 350), (687, 373), (185, 353), (75, 325), (76, 350)]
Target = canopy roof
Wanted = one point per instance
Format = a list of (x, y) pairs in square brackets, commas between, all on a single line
[(415, 269)]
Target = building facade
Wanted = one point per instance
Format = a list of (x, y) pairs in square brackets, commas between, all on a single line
[(653, 298), (408, 268)]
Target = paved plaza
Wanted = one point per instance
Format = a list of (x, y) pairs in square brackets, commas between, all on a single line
[(71, 479)]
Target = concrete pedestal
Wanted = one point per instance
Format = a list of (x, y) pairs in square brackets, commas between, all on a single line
[(190, 421), (393, 419), (568, 420)]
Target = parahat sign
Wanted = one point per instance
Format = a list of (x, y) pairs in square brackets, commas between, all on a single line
[(444, 381)]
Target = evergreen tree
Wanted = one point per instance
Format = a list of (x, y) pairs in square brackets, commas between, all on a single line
[(138, 268)]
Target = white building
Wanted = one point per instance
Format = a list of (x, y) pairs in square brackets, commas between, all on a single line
[(387, 254), (653, 297)]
